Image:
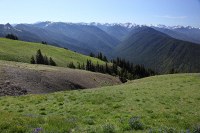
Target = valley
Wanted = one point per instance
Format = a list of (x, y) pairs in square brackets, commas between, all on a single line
[(162, 48), (100, 66), (94, 86)]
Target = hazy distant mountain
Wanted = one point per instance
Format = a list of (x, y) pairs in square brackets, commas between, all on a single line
[(183, 33), (21, 34), (94, 37), (160, 47), (117, 30), (121, 30), (53, 38), (159, 51), (78, 37)]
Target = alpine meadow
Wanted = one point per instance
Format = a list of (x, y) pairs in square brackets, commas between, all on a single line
[(100, 66)]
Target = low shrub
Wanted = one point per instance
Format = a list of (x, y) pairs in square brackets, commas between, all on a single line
[(89, 121), (135, 123), (196, 129), (108, 128)]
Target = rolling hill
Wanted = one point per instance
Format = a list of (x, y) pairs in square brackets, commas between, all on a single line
[(22, 51), (22, 78), (168, 103), (159, 51)]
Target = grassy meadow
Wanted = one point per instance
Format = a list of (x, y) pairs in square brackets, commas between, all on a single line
[(20, 51), (169, 103)]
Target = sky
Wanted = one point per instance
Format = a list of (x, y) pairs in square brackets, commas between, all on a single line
[(167, 12)]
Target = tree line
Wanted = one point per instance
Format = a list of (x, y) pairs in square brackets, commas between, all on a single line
[(118, 67), (127, 69), (11, 36), (130, 71), (99, 56)]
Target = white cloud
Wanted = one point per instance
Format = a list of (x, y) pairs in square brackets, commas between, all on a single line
[(171, 17)]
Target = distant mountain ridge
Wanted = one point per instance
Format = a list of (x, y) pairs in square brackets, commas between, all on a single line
[(77, 37), (113, 33), (159, 47), (159, 51)]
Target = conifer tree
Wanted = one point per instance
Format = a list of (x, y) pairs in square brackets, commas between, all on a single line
[(52, 62), (79, 65), (39, 57), (46, 61), (11, 36), (71, 65), (33, 60), (83, 66), (100, 56), (92, 55)]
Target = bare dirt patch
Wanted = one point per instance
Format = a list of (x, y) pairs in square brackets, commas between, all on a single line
[(21, 79)]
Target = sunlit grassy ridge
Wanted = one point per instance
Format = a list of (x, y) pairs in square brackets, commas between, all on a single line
[(22, 51), (170, 102)]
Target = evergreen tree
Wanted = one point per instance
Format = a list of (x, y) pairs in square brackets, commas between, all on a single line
[(100, 56), (46, 61), (114, 69), (33, 60), (71, 65), (11, 36), (97, 69), (105, 58), (79, 66), (92, 55), (39, 57), (43, 42), (88, 65), (172, 71), (83, 66), (52, 62), (106, 67)]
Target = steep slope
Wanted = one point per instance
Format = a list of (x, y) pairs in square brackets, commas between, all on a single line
[(186, 34), (78, 37), (117, 31), (53, 38), (21, 78), (159, 51), (22, 51), (168, 103), (193, 33), (94, 38)]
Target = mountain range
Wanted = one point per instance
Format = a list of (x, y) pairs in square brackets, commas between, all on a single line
[(159, 47), (159, 51)]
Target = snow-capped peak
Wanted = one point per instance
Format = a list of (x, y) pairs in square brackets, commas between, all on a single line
[(127, 25)]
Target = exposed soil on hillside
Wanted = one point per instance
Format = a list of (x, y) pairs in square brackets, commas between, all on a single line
[(20, 79)]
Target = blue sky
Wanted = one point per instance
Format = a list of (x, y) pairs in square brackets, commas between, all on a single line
[(168, 12)]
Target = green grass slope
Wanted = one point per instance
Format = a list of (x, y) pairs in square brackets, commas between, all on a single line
[(167, 103), (22, 51)]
